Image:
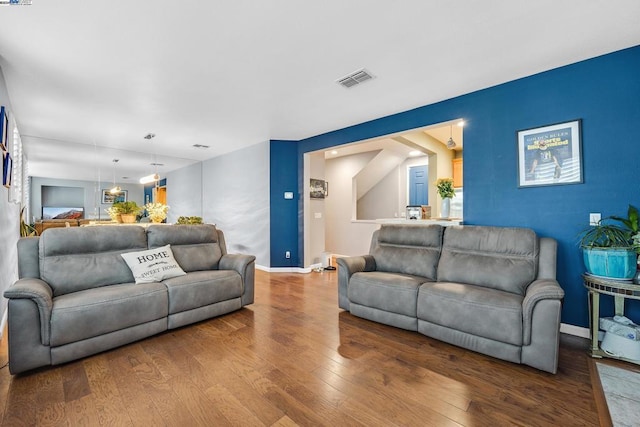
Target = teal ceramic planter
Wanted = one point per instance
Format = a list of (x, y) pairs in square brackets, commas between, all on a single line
[(612, 263)]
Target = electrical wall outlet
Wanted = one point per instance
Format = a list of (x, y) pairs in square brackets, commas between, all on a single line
[(287, 254), (594, 218)]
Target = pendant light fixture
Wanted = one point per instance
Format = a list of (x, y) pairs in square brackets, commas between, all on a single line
[(116, 188), (154, 176), (451, 144)]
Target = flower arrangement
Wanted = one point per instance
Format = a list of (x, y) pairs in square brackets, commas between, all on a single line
[(157, 211), (445, 188), (114, 213)]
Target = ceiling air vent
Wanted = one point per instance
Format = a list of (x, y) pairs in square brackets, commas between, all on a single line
[(202, 146), (355, 78)]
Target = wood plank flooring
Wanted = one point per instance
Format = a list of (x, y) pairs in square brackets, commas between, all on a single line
[(294, 358)]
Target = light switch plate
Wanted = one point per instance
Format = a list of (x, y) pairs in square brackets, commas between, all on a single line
[(288, 195)]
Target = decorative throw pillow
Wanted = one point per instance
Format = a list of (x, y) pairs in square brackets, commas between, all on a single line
[(153, 265)]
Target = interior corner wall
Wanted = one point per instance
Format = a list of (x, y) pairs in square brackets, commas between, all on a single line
[(603, 92), (382, 200), (283, 177), (344, 236), (9, 224), (184, 192), (235, 197), (315, 215)]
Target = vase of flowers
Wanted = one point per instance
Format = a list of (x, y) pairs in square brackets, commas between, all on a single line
[(114, 214), (157, 211), (446, 192)]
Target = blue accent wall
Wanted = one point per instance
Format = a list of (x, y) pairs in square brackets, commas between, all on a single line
[(284, 212), (604, 92)]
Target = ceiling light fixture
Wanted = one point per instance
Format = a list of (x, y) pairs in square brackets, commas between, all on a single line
[(154, 177), (451, 144), (415, 153), (149, 178), (116, 188)]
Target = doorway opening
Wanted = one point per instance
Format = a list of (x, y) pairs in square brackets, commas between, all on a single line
[(369, 182)]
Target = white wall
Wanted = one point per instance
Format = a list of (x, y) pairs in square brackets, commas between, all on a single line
[(315, 212), (184, 192), (93, 207), (344, 235), (235, 197), (9, 224), (382, 201)]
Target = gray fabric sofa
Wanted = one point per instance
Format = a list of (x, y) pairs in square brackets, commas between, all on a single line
[(76, 296), (488, 289)]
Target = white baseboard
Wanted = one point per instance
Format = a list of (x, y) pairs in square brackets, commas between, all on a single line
[(283, 269), (574, 330)]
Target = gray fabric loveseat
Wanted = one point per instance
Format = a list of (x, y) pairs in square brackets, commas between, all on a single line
[(76, 295), (488, 289)]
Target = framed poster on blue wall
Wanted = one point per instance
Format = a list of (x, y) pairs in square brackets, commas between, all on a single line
[(550, 155), (4, 129)]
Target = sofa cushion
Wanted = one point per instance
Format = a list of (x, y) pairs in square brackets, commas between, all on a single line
[(153, 265), (92, 312), (413, 250), (393, 292), (201, 288), (195, 247), (67, 254), (475, 310), (494, 257)]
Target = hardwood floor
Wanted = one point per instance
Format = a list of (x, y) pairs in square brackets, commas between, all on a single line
[(295, 358)]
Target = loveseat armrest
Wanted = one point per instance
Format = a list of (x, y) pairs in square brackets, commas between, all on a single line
[(245, 265), (346, 268), (538, 290), (41, 294)]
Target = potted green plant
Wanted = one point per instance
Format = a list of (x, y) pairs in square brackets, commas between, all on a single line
[(26, 230), (128, 211), (444, 186), (189, 220), (610, 247)]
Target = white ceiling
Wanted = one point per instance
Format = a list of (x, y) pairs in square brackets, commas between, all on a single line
[(87, 77)]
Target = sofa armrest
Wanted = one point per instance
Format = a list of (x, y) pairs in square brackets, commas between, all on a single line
[(245, 266), (346, 268), (539, 290), (41, 294)]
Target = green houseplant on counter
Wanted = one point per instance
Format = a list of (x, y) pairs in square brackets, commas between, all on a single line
[(128, 210), (610, 248), (189, 220)]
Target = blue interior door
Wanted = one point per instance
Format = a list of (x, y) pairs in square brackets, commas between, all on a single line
[(418, 193)]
